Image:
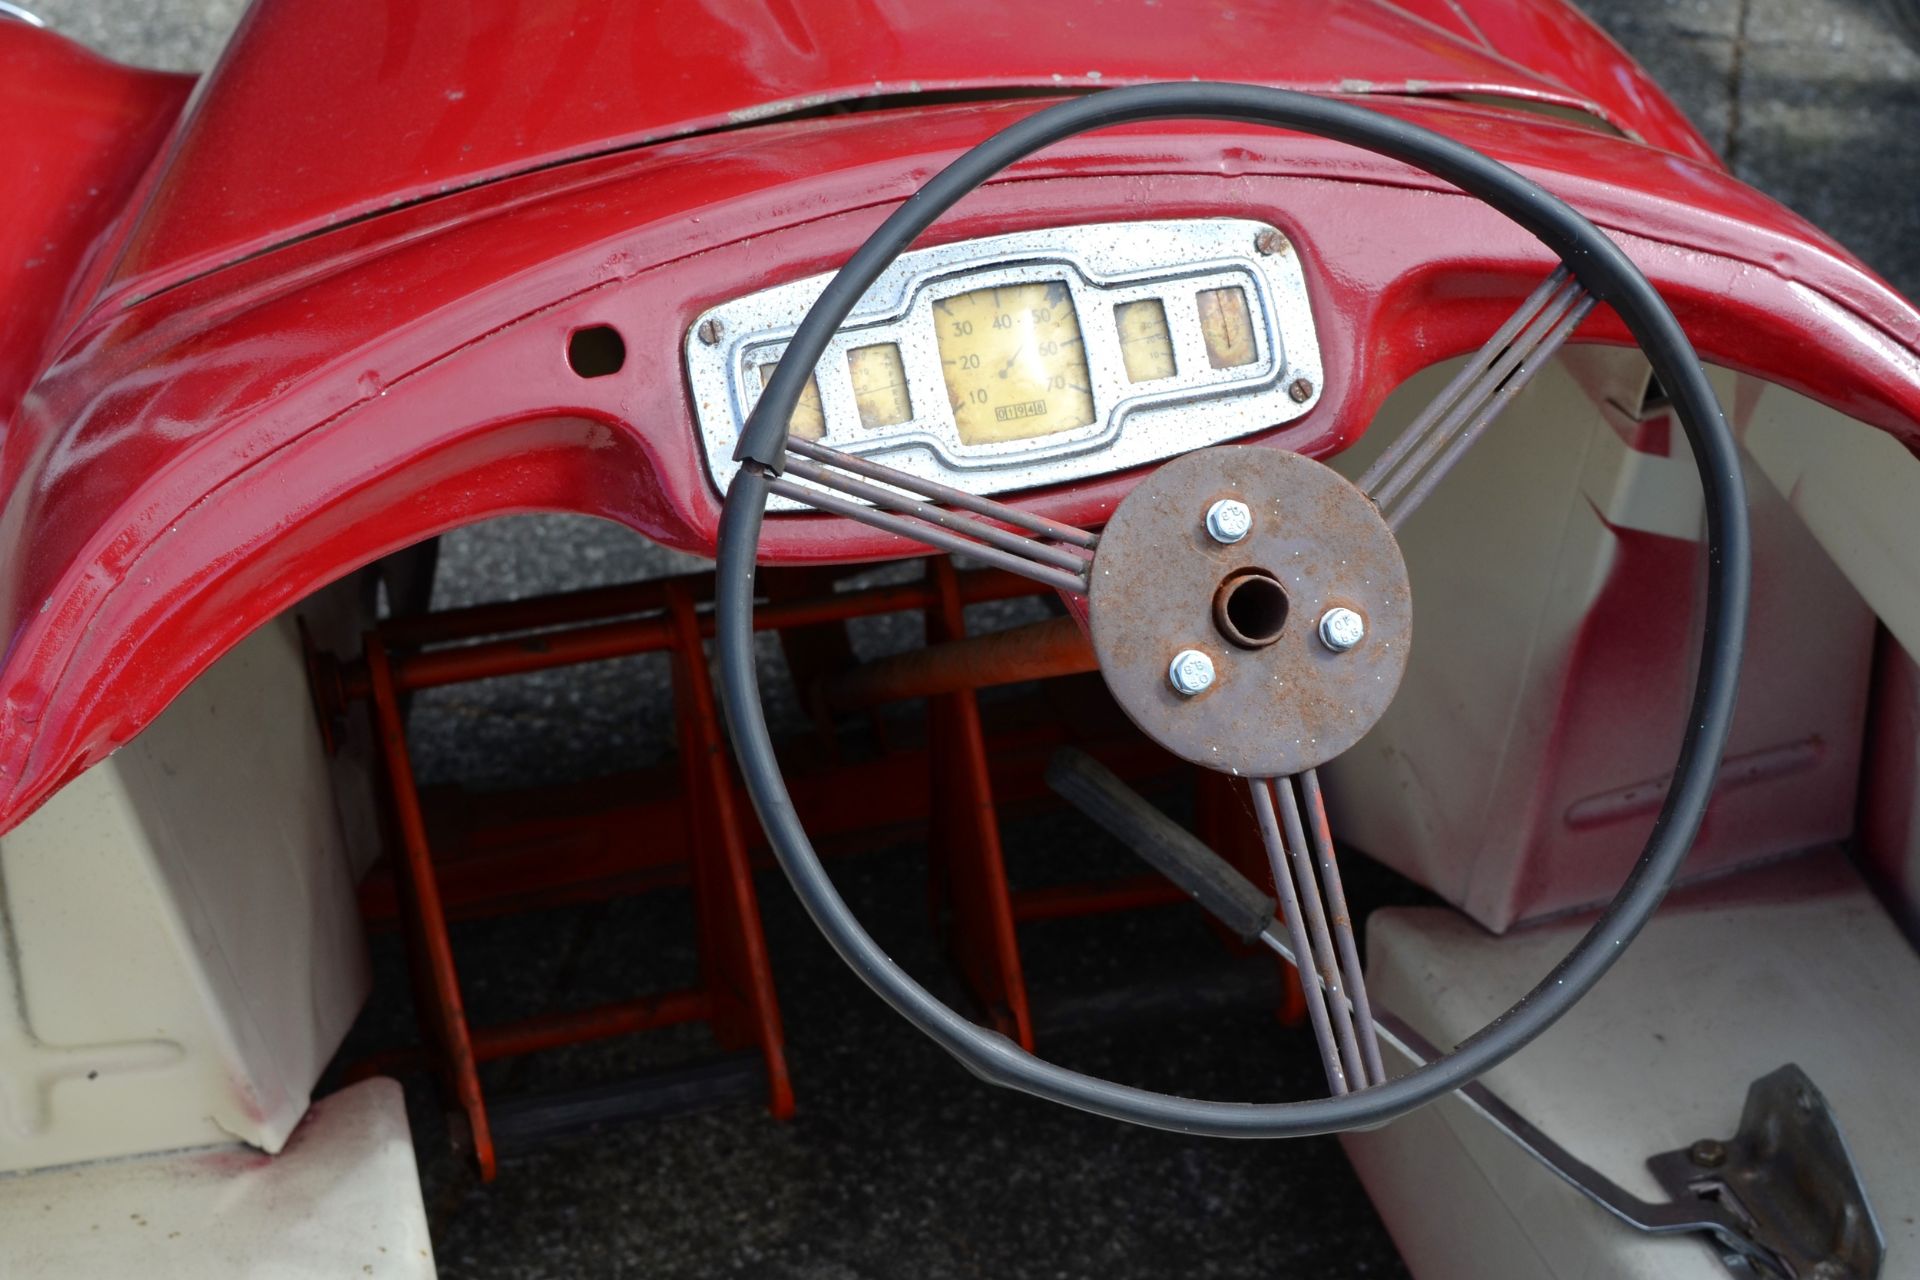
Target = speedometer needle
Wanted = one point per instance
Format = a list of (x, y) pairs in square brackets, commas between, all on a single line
[(1006, 370)]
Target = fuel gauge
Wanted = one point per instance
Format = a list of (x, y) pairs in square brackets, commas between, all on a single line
[(879, 385), (809, 421), (1146, 348), (1227, 325)]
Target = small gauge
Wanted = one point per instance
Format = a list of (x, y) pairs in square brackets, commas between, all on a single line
[(1227, 326), (1146, 348), (879, 385), (1015, 365), (808, 421)]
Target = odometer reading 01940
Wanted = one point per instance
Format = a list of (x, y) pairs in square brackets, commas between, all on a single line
[(1014, 363)]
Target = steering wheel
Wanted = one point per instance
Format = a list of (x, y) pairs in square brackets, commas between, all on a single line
[(1189, 591)]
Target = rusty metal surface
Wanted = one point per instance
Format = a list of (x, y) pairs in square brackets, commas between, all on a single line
[(927, 533), (736, 995), (907, 505), (1034, 651), (594, 625), (1313, 913), (438, 1001), (1292, 704), (960, 499), (1318, 1016), (1791, 1182), (1341, 917)]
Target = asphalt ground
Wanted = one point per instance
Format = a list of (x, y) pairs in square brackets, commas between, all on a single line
[(898, 1163)]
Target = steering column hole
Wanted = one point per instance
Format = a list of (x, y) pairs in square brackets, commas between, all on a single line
[(1250, 609)]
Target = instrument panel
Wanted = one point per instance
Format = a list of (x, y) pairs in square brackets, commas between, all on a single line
[(1033, 358)]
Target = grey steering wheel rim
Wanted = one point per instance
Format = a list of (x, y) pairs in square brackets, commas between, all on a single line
[(1605, 272)]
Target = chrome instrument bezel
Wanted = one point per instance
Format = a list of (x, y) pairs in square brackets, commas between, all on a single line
[(1103, 265)]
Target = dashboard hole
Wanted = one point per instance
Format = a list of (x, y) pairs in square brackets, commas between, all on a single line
[(596, 351)]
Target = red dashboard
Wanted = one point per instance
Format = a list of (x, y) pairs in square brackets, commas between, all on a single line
[(202, 447)]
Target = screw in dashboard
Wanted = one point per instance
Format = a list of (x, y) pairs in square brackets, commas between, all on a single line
[(710, 331), (1270, 242), (1301, 390)]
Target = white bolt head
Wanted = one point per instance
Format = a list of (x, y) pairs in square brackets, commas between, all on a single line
[(1191, 672), (1229, 520), (1341, 629)]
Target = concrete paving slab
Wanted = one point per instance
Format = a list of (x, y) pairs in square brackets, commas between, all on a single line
[(1829, 123)]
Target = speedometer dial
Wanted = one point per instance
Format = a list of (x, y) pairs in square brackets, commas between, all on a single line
[(1014, 362)]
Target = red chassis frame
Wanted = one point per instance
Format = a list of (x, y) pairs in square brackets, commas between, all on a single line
[(226, 412)]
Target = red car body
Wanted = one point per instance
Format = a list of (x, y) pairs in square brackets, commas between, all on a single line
[(263, 329)]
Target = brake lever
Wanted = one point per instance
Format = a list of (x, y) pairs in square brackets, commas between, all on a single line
[(1238, 904)]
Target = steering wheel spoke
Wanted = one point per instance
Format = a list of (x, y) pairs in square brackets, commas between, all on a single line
[(1345, 942), (844, 484), (1408, 472), (1313, 907)]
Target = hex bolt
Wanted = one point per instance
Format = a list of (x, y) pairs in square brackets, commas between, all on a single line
[(1341, 629), (1708, 1153), (1301, 390), (1191, 672), (1228, 520), (710, 331)]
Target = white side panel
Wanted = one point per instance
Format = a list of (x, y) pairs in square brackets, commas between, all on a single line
[(343, 1200), (1890, 803), (182, 951), (336, 619), (1857, 488), (1793, 963), (1557, 587)]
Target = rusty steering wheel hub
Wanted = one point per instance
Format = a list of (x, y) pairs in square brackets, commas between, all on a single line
[(1282, 699)]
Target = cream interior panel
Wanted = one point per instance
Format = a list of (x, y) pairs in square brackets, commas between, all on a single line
[(1795, 962), (181, 948), (1856, 488), (1556, 579), (343, 1200)]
